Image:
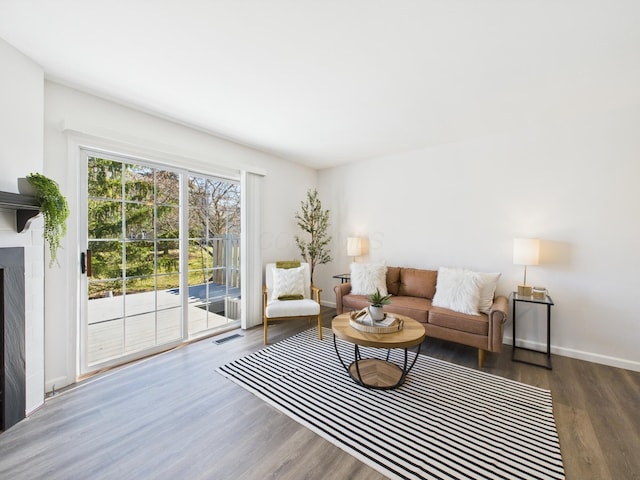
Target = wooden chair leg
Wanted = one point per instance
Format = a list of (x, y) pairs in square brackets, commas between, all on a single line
[(481, 353), (265, 330), (320, 327)]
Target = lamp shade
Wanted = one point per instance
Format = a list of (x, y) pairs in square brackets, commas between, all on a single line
[(526, 251), (354, 247)]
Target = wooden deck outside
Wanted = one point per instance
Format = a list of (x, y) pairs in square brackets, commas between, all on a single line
[(111, 336)]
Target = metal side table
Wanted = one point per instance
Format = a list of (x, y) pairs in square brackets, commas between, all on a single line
[(540, 301), (343, 277)]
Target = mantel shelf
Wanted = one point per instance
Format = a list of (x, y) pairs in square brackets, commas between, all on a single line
[(26, 207)]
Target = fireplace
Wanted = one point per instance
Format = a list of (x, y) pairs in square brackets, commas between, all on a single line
[(12, 338)]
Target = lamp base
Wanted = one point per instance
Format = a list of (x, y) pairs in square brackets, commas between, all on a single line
[(524, 290)]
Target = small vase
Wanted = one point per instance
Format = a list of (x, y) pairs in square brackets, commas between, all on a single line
[(376, 313)]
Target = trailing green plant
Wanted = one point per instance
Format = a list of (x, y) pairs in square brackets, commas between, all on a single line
[(378, 300), (315, 221), (54, 209)]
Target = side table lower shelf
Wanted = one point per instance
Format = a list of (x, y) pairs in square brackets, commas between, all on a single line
[(545, 363)]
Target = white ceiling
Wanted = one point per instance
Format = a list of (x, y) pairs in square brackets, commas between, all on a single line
[(324, 82)]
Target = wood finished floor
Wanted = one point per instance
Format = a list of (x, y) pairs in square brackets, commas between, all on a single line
[(173, 417)]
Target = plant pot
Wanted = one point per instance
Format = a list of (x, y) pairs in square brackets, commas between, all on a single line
[(376, 313), (25, 188)]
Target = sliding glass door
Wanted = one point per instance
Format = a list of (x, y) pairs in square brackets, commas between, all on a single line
[(162, 260)]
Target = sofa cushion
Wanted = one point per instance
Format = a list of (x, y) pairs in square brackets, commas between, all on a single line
[(443, 317), (417, 283), (367, 278), (414, 307), (393, 280), (458, 290), (351, 302), (488, 282)]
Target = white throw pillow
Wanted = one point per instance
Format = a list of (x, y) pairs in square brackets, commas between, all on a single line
[(457, 290), (287, 281), (366, 278), (488, 282)]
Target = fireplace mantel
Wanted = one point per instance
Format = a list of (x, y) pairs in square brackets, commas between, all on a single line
[(26, 207)]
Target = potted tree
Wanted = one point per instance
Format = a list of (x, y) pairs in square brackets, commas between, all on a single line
[(54, 209), (377, 301), (315, 221)]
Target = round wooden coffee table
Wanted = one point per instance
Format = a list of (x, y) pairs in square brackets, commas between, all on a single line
[(375, 372)]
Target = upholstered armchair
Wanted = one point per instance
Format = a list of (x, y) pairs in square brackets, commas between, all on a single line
[(288, 294)]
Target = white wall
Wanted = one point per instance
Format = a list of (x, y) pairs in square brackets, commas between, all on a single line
[(21, 113), (132, 131), (572, 183)]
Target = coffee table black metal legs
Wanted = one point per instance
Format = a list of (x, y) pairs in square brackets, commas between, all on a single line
[(375, 372)]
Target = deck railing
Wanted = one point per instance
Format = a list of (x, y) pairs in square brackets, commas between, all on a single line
[(225, 254)]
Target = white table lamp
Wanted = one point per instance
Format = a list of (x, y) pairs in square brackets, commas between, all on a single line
[(526, 251), (354, 247)]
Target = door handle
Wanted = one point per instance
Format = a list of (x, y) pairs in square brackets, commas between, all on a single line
[(85, 262)]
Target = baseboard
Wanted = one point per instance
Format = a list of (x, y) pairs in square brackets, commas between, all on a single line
[(58, 383), (580, 355), (325, 303), (34, 410)]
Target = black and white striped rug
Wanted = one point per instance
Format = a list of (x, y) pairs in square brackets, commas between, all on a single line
[(445, 422)]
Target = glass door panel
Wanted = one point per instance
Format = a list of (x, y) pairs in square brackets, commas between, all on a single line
[(131, 310), (214, 302)]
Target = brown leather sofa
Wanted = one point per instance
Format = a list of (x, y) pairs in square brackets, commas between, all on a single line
[(413, 290)]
